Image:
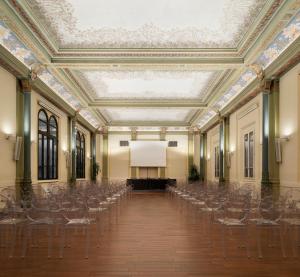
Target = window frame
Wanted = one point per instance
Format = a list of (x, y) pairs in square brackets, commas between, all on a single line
[(47, 170), (248, 146)]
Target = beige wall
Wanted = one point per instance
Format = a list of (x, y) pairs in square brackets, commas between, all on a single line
[(119, 157), (7, 126), (289, 105), (246, 119)]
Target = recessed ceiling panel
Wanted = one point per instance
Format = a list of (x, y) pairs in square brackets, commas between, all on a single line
[(147, 84), (179, 115), (146, 24)]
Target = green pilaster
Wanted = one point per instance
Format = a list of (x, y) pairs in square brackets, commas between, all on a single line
[(133, 170), (226, 149), (203, 157), (73, 121), (93, 156), (265, 134), (162, 137), (222, 148), (26, 183), (270, 169), (190, 149), (105, 156)]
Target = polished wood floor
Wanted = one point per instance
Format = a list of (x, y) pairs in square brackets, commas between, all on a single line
[(153, 237)]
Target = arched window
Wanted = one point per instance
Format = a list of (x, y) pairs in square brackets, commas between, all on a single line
[(80, 155), (47, 146)]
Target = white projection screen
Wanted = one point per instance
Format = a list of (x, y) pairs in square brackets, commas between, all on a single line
[(148, 153)]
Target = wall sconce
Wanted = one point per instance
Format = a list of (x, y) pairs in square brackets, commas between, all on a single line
[(228, 158), (67, 156), (285, 138), (278, 150), (88, 157)]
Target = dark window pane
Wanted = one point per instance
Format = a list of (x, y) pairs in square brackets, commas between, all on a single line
[(42, 126), (43, 116)]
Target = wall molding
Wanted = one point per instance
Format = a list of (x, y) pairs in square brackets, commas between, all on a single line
[(247, 110), (50, 107)]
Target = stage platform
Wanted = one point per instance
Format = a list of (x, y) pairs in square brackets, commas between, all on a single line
[(150, 184)]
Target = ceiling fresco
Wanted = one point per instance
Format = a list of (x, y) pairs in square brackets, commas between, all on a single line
[(146, 24), (147, 84), (171, 115)]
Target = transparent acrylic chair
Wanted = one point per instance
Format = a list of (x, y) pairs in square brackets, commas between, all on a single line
[(12, 222), (76, 218), (232, 216)]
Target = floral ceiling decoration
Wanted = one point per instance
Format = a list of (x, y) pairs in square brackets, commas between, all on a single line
[(143, 24), (148, 114), (10, 41), (281, 42), (147, 84)]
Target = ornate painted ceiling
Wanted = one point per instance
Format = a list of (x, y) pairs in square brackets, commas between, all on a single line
[(149, 63), (170, 116), (147, 84), (146, 24)]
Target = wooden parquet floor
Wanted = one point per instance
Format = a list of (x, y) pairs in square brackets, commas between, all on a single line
[(153, 237)]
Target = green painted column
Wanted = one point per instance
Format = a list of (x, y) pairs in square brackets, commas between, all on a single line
[(93, 156), (26, 186), (202, 156), (270, 131), (73, 131), (226, 166), (190, 149), (162, 137), (221, 149), (265, 135), (133, 170), (105, 155)]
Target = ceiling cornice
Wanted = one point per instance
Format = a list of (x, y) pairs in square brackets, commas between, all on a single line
[(149, 123), (148, 103)]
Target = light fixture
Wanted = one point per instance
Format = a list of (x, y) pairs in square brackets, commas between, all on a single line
[(7, 136), (67, 157), (278, 148), (284, 138)]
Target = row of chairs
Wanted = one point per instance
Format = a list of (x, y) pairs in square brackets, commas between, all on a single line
[(243, 208), (60, 210)]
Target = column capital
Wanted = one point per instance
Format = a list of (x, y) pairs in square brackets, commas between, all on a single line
[(163, 130), (103, 130), (26, 85), (266, 85)]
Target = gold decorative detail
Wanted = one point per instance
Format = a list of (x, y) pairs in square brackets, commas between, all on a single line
[(26, 85)]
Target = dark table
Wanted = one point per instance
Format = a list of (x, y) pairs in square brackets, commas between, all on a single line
[(150, 184)]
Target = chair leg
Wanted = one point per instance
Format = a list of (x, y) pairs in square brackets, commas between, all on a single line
[(49, 241), (295, 242), (25, 240), (62, 243), (87, 246), (258, 239), (13, 240), (224, 241), (247, 241), (282, 242)]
